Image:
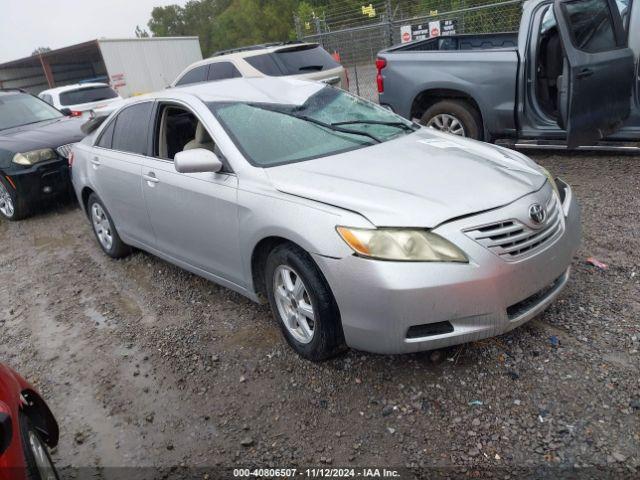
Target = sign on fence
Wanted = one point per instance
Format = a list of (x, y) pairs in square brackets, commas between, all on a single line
[(434, 28)]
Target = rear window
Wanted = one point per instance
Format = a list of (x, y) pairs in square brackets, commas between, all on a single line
[(293, 61), (87, 95)]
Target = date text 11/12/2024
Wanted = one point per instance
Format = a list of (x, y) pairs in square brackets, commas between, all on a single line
[(316, 473)]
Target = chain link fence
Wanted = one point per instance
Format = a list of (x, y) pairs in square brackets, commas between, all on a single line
[(356, 36)]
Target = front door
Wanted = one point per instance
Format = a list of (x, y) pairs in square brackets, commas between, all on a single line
[(194, 215), (594, 90)]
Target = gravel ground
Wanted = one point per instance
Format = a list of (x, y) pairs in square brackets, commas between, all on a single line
[(145, 364)]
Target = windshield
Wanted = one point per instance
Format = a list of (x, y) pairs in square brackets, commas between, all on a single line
[(331, 121), (87, 95), (22, 109)]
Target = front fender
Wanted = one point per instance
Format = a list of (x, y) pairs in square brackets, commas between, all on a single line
[(38, 412), (309, 224)]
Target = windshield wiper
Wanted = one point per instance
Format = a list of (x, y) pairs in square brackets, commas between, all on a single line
[(330, 126), (402, 125)]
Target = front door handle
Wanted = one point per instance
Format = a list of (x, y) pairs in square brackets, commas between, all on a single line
[(150, 178), (584, 73)]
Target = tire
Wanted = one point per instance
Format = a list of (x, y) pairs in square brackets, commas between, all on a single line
[(36, 454), (105, 230), (11, 207), (326, 339), (461, 111)]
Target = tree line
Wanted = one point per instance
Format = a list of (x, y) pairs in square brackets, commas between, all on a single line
[(222, 24)]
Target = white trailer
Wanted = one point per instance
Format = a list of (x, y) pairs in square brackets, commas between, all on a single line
[(132, 66)]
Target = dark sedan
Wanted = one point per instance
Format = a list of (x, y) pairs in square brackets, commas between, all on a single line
[(35, 141)]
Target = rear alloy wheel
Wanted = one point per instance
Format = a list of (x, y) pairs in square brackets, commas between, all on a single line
[(38, 460), (456, 117), (303, 304), (105, 230)]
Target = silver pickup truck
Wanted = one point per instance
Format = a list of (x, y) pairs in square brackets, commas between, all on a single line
[(570, 77)]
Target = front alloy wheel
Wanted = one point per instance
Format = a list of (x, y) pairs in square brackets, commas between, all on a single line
[(6, 202), (42, 461), (302, 302), (294, 304)]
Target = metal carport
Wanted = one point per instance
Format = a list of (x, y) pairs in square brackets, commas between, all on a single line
[(56, 68)]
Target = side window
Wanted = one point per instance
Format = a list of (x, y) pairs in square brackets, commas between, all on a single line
[(198, 74), (265, 64), (106, 136), (591, 25), (177, 130), (130, 133), (47, 98), (222, 71)]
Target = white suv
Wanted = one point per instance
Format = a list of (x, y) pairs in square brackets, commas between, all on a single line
[(301, 60), (75, 100)]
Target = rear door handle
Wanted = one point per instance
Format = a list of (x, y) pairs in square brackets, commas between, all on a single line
[(584, 73), (95, 161), (150, 178)]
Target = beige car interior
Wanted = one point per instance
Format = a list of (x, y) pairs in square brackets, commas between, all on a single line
[(180, 130)]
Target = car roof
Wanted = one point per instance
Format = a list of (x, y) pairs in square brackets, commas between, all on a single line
[(278, 90), (75, 86)]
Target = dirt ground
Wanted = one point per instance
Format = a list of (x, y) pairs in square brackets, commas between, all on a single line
[(147, 365)]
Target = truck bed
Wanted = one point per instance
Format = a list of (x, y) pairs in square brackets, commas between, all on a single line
[(484, 41)]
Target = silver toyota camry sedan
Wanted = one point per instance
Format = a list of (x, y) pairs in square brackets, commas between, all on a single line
[(359, 227)]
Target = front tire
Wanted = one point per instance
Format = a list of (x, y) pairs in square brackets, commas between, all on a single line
[(36, 454), (105, 230), (456, 117), (11, 206), (303, 304)]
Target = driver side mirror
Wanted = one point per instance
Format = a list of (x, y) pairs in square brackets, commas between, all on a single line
[(197, 160), (66, 112)]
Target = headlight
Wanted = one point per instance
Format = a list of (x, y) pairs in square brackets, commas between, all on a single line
[(551, 180), (401, 245), (33, 157)]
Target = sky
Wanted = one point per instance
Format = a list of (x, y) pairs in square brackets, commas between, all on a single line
[(28, 24)]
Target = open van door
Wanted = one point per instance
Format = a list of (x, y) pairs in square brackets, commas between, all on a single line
[(594, 90)]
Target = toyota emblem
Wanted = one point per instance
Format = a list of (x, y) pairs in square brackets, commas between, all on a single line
[(537, 213)]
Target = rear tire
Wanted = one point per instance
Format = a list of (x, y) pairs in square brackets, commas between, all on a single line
[(104, 229), (451, 115), (307, 311), (38, 462), (11, 206)]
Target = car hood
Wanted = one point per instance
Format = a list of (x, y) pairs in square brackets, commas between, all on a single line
[(417, 180), (47, 134)]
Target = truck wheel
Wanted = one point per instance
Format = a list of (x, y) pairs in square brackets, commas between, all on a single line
[(454, 116)]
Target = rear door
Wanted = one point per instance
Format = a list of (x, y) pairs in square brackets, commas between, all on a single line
[(596, 85), (116, 167)]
